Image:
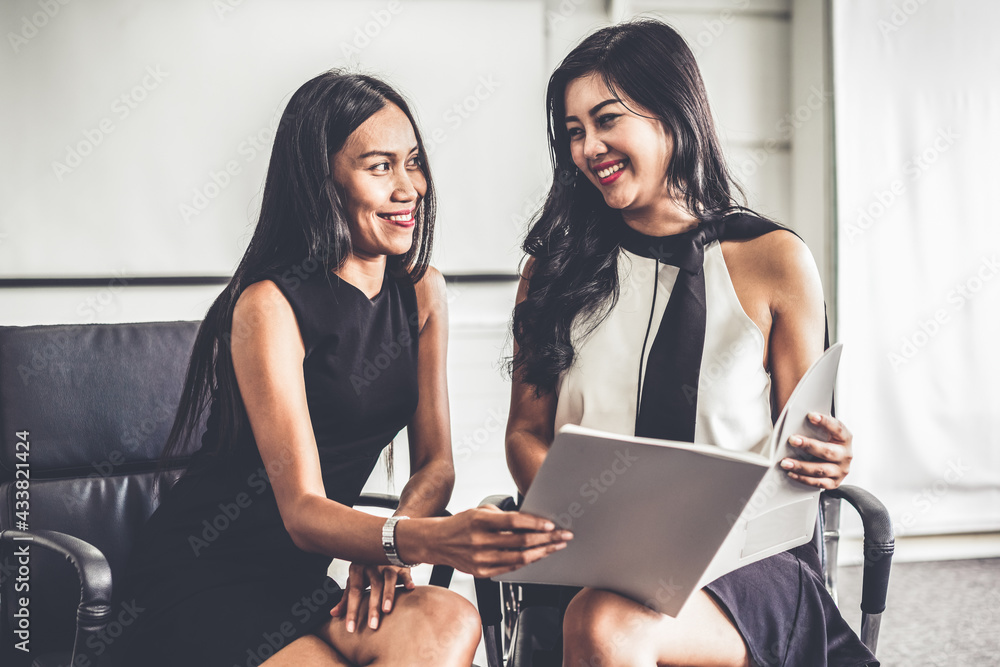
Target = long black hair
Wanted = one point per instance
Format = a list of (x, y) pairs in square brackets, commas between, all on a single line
[(303, 226), (574, 239)]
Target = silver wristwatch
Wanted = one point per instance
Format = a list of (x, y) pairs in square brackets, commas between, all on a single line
[(389, 541)]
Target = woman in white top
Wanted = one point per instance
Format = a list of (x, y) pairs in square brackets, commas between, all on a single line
[(653, 304)]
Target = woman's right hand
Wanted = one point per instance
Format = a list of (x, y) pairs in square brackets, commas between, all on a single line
[(484, 542)]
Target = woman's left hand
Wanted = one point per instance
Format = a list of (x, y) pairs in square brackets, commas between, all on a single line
[(832, 457), (383, 580)]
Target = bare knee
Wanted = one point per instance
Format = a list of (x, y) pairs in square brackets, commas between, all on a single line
[(596, 617), (449, 625), (306, 650), (603, 629), (597, 632)]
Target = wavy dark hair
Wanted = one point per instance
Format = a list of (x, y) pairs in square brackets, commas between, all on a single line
[(574, 238), (303, 226)]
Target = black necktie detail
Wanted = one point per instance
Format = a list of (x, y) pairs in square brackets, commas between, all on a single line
[(668, 405)]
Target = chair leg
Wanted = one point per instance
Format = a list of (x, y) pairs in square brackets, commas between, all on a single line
[(870, 624), (494, 646), (491, 613), (830, 507)]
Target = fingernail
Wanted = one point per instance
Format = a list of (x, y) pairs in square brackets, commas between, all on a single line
[(795, 440), (350, 626), (815, 416), (548, 525), (373, 623), (786, 464), (561, 545), (565, 535), (386, 606)]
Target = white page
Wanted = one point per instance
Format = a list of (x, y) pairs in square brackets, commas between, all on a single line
[(782, 513), (647, 515)]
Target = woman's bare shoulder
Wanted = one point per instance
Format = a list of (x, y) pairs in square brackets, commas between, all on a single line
[(524, 278), (432, 295), (774, 275), (262, 312), (779, 259), (529, 265), (261, 297)]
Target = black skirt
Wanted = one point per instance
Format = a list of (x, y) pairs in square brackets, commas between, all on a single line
[(228, 626), (218, 589), (785, 614)]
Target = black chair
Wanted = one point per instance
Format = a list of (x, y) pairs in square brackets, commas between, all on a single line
[(84, 414), (522, 623)]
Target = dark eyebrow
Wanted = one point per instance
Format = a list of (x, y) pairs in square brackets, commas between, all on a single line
[(383, 153), (594, 109)]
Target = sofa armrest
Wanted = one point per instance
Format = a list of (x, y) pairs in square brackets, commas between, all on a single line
[(94, 611)]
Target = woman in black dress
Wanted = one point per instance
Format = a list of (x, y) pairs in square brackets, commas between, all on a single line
[(329, 339), (652, 304)]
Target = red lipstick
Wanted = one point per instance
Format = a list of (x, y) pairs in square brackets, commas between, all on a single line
[(610, 178)]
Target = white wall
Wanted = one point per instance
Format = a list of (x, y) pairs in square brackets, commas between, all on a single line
[(136, 136)]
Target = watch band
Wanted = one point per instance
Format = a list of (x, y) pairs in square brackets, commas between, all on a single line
[(389, 541)]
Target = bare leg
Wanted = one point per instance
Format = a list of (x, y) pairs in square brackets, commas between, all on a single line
[(427, 626), (603, 629), (307, 650)]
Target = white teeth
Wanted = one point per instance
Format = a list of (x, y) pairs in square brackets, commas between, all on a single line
[(400, 218), (604, 173)]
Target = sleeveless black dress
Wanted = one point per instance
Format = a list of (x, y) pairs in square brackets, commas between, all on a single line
[(214, 576)]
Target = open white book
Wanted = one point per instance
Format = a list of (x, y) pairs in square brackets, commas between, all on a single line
[(656, 520)]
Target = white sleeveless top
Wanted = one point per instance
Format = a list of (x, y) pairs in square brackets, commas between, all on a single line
[(734, 392)]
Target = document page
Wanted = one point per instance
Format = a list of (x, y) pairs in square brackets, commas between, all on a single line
[(782, 513), (647, 516)]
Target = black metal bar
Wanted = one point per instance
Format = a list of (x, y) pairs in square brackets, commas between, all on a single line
[(193, 281), (116, 281)]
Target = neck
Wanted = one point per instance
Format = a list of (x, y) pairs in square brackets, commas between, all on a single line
[(364, 272), (665, 217)]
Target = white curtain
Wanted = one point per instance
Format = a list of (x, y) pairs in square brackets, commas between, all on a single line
[(917, 86)]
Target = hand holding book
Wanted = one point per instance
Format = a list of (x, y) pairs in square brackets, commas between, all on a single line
[(821, 463)]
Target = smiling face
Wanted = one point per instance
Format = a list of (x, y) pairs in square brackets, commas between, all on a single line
[(624, 154), (379, 174)]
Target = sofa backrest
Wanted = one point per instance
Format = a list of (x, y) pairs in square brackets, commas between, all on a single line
[(85, 411)]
